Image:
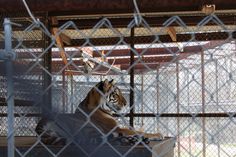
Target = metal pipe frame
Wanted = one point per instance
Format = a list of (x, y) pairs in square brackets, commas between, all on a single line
[(131, 73), (10, 89), (177, 101), (47, 80), (203, 104)]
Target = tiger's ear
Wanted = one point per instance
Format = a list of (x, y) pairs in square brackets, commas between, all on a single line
[(106, 83), (112, 81)]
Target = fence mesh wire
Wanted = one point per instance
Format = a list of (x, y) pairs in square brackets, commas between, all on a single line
[(174, 82)]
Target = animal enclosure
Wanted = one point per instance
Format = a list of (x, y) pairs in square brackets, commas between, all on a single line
[(176, 71)]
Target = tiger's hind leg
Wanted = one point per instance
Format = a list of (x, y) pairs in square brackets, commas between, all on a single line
[(47, 135)]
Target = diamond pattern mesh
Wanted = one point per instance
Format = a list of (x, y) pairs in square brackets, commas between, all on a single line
[(184, 89)]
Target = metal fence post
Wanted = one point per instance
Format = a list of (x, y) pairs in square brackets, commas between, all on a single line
[(203, 105), (47, 79), (178, 104), (131, 101), (10, 94)]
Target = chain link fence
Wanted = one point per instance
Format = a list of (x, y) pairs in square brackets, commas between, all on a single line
[(178, 80)]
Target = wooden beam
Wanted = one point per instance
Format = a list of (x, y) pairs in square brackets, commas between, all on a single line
[(172, 33), (140, 66), (161, 38), (209, 36), (144, 60), (65, 38), (149, 51), (123, 22), (103, 7), (59, 42)]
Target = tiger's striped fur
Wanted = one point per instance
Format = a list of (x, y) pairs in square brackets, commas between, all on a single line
[(105, 97), (100, 102)]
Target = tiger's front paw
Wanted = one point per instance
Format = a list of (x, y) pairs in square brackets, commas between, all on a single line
[(157, 136)]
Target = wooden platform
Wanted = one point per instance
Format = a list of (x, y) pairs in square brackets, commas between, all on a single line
[(20, 141), (163, 148)]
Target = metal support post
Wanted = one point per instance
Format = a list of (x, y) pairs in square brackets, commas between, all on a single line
[(131, 102), (47, 80), (178, 104), (203, 104), (10, 94)]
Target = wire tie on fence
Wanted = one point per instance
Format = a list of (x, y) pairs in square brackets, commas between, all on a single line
[(137, 19), (16, 24), (37, 23), (230, 76), (194, 115), (137, 15), (211, 56), (7, 55), (231, 115)]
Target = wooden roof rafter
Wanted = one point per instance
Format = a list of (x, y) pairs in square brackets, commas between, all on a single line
[(59, 41)]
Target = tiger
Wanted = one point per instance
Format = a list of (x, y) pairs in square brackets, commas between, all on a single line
[(101, 102)]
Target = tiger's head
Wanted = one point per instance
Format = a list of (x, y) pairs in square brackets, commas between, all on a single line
[(113, 99)]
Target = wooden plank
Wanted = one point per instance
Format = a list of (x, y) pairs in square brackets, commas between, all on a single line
[(172, 33), (161, 38), (140, 66), (23, 143), (157, 59), (149, 51), (65, 38), (59, 41), (20, 141)]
